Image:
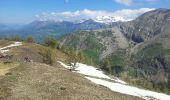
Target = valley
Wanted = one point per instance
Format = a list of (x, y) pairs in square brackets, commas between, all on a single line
[(136, 51), (87, 55)]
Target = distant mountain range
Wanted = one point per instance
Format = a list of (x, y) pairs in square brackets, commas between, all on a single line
[(40, 29)]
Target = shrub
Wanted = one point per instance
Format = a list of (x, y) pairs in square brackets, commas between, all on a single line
[(51, 42), (117, 69), (48, 57), (14, 38), (30, 39), (105, 65)]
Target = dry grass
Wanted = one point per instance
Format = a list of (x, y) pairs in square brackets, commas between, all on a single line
[(4, 68), (38, 81), (5, 43), (32, 51)]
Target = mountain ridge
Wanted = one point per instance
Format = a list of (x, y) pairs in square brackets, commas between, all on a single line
[(143, 60)]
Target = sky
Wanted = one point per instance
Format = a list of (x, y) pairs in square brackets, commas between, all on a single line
[(26, 11)]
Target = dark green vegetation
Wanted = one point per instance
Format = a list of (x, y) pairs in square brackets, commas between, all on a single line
[(151, 67), (87, 43), (51, 42), (114, 63), (145, 59)]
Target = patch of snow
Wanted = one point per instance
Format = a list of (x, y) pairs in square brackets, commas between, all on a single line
[(64, 65), (12, 45), (130, 90), (5, 49), (94, 75), (86, 70), (118, 80), (91, 71), (110, 19)]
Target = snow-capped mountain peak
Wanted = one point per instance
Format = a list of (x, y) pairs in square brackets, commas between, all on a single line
[(98, 19), (110, 19)]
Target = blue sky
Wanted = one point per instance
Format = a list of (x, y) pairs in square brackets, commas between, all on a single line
[(25, 11)]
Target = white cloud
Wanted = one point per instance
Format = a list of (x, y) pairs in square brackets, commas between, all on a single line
[(128, 13), (91, 14), (125, 2)]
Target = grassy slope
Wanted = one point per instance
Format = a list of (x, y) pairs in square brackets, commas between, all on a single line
[(39, 81)]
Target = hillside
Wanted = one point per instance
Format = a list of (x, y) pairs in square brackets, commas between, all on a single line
[(96, 44), (147, 26), (22, 79), (151, 59), (137, 51)]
